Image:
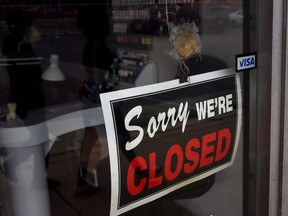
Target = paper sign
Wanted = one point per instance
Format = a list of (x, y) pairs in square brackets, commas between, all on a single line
[(165, 136)]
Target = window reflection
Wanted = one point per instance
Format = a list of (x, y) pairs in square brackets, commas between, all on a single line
[(135, 35)]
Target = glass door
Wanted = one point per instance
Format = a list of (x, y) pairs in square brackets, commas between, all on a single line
[(111, 46)]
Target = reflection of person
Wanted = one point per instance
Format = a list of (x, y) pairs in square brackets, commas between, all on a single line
[(205, 64), (94, 22), (24, 70), (26, 92), (199, 65)]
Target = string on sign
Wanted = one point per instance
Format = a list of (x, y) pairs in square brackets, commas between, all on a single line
[(186, 43)]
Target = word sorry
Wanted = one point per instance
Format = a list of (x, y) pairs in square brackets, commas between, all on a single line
[(163, 119)]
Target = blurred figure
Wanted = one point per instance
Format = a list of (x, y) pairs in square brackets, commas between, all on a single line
[(24, 70), (94, 22), (26, 90)]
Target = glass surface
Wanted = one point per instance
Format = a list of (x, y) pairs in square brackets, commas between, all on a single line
[(98, 55)]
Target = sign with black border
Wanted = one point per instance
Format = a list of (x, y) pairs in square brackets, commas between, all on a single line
[(165, 136)]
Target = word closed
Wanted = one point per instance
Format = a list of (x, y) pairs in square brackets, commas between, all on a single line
[(197, 153)]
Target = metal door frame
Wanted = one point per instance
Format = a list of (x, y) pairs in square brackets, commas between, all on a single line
[(265, 115)]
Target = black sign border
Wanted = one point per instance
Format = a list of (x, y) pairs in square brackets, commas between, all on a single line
[(197, 79)]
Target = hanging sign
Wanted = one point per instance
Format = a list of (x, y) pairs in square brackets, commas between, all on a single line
[(166, 136)]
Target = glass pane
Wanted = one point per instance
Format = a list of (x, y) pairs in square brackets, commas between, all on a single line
[(57, 57)]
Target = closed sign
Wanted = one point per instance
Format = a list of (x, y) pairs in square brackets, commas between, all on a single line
[(168, 135)]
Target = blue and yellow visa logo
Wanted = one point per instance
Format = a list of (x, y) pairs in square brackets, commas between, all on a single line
[(246, 62)]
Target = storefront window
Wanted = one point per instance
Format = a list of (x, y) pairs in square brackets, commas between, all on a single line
[(58, 57)]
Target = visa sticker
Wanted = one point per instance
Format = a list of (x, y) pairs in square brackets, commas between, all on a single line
[(246, 61)]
